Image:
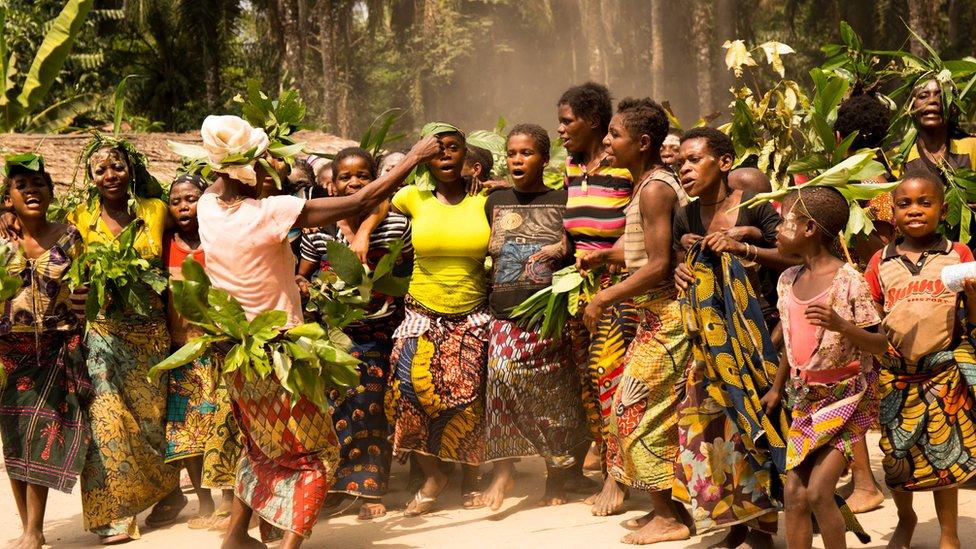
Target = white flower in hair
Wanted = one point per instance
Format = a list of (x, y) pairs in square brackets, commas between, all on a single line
[(232, 145)]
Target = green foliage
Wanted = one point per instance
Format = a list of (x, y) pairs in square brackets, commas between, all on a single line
[(10, 282), (18, 107), (551, 307), (307, 359), (340, 295), (120, 282), (378, 136)]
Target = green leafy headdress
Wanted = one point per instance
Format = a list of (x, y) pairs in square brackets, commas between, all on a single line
[(234, 145), (28, 161), (142, 184)]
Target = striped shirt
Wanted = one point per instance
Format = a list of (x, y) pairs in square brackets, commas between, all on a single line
[(595, 215)]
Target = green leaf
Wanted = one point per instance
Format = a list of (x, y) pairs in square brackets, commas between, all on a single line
[(53, 52), (387, 262), (227, 313), (310, 330), (119, 100), (62, 113), (186, 354), (395, 286), (267, 321), (345, 263)]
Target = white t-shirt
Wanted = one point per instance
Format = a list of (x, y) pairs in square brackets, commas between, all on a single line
[(247, 251)]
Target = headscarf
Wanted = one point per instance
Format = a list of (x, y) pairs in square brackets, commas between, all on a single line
[(423, 179)]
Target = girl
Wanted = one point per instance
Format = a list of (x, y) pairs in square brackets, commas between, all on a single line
[(928, 411), (364, 455), (45, 391), (643, 436), (597, 195), (830, 332), (125, 472), (438, 382), (533, 389), (201, 434)]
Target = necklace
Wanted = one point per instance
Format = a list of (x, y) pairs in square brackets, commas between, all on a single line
[(719, 201)]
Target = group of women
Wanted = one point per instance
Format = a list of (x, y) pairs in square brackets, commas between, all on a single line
[(667, 391)]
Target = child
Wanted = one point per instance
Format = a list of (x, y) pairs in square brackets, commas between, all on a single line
[(201, 434), (44, 398), (928, 408), (830, 334)]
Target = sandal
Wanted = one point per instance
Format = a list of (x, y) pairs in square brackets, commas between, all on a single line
[(164, 513), (421, 504), (116, 539), (472, 500), (364, 514)]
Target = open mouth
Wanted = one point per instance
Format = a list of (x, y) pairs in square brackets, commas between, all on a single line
[(518, 172), (32, 201)]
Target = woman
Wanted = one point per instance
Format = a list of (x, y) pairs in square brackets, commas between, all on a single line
[(533, 389), (45, 389), (436, 402), (291, 449), (125, 471), (201, 434), (360, 422), (595, 219)]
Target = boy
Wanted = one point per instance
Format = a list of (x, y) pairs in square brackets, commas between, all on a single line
[(928, 407)]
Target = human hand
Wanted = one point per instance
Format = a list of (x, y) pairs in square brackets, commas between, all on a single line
[(823, 315), (721, 242), (302, 285), (493, 185), (593, 311), (10, 226), (360, 246), (589, 259), (689, 240), (683, 276), (550, 253), (770, 401), (427, 148)]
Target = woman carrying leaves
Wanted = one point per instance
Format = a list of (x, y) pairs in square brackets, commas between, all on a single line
[(642, 445), (45, 389), (533, 394), (358, 414), (291, 450), (595, 219), (201, 433), (125, 472), (436, 401)]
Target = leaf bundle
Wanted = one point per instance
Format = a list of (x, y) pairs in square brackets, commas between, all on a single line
[(550, 308)]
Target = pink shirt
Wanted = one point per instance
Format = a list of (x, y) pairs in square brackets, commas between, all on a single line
[(803, 334), (248, 256)]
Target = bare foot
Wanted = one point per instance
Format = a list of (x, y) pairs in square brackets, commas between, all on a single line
[(243, 542), (657, 530), (902, 537), (555, 493), (578, 483), (639, 522), (494, 496), (369, 511), (28, 540), (592, 461), (863, 500), (610, 501), (944, 542)]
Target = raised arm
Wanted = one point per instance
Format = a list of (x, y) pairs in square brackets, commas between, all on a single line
[(319, 212)]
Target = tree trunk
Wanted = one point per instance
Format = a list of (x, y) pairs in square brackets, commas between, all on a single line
[(657, 50), (328, 62), (702, 32), (924, 19)]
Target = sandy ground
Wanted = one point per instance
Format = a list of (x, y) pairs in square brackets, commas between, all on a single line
[(520, 523)]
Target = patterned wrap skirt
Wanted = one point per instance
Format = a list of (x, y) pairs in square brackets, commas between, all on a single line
[(44, 408), (359, 415), (533, 396), (928, 420), (199, 421), (600, 359), (832, 415), (643, 443), (290, 454), (125, 471), (436, 401)]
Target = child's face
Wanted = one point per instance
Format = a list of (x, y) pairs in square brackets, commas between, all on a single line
[(352, 174), (794, 230), (525, 161), (266, 183), (620, 144), (183, 206), (110, 174), (918, 208), (471, 170), (447, 167), (669, 149), (29, 195)]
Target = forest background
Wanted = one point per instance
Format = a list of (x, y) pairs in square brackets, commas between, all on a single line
[(465, 61)]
